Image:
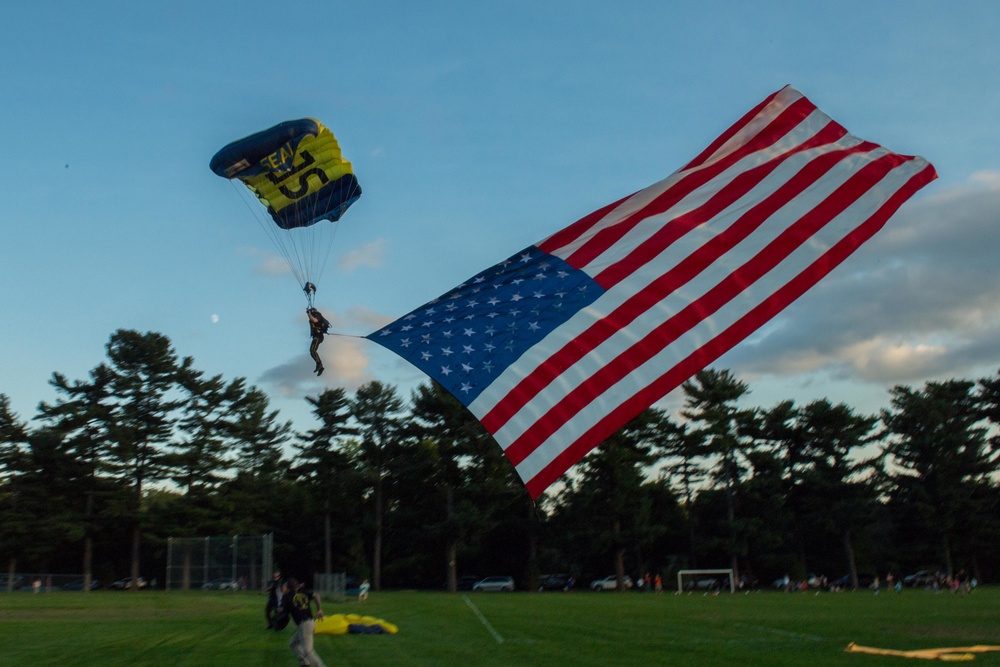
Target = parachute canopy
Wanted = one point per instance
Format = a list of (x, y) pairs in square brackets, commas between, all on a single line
[(296, 170)]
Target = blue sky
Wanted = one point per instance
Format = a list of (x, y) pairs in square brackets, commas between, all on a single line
[(475, 129)]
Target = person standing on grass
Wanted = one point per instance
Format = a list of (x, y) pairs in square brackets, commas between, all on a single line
[(363, 591), (297, 602)]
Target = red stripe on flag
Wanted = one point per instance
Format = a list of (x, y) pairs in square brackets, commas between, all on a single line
[(785, 122), (672, 277), (688, 318), (728, 195), (747, 324), (579, 228), (734, 129)]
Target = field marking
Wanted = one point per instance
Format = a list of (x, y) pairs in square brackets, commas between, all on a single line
[(482, 619), (783, 633)]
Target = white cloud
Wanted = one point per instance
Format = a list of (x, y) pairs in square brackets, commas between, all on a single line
[(345, 357), (346, 365), (882, 360), (920, 301), (367, 319), (272, 265), (988, 179), (369, 255), (268, 263)]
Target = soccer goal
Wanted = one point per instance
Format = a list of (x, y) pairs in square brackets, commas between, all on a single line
[(705, 580)]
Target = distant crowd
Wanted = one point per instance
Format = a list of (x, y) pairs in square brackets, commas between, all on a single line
[(937, 581)]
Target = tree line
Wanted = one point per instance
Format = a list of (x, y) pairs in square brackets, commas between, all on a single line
[(413, 492)]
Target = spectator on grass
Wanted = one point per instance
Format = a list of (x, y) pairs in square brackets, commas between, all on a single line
[(363, 591), (297, 602), (658, 583)]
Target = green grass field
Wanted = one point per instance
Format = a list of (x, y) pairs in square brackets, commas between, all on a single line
[(545, 629)]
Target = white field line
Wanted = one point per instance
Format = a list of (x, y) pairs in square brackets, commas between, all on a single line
[(482, 619)]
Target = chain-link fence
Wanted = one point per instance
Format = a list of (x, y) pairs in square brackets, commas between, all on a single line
[(227, 562), (331, 585)]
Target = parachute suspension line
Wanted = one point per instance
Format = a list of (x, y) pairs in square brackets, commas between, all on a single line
[(279, 238), (325, 246), (326, 231), (305, 250), (314, 245), (317, 242), (292, 245), (333, 235)]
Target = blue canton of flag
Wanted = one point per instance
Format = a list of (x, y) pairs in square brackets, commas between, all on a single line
[(465, 338)]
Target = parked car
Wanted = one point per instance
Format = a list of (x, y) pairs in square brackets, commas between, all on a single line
[(494, 584), (78, 585), (224, 584), (920, 578), (610, 583), (126, 583), (553, 582)]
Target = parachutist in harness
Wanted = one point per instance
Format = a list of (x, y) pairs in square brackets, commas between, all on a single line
[(318, 327)]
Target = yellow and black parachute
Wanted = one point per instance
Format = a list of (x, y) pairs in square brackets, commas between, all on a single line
[(296, 170)]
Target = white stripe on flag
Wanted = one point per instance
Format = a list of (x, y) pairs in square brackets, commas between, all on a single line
[(643, 325), (708, 329), (692, 201), (673, 255)]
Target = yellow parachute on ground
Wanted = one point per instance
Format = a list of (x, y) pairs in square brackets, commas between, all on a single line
[(342, 624)]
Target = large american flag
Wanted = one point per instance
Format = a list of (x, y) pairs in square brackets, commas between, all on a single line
[(561, 344)]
